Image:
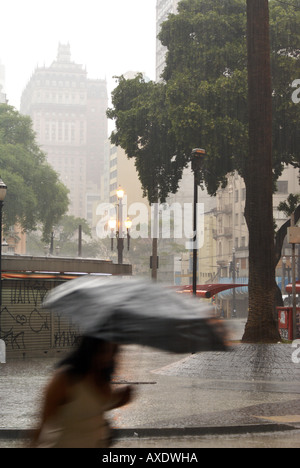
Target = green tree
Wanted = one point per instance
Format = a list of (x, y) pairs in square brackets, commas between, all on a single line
[(65, 239), (144, 131), (227, 109), (68, 228), (35, 196), (261, 325), (205, 102), (207, 83), (289, 206), (285, 63)]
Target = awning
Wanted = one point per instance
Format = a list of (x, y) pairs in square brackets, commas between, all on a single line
[(46, 275), (207, 291)]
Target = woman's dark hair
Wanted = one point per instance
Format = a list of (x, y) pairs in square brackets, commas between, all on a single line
[(80, 362)]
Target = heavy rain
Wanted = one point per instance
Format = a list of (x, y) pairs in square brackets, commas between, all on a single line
[(149, 211)]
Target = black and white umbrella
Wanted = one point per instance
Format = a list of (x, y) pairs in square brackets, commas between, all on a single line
[(134, 311)]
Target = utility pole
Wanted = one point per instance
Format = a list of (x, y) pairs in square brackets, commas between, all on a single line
[(295, 331), (79, 240), (155, 234), (197, 160)]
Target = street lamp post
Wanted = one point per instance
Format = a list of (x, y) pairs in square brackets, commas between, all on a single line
[(117, 226), (120, 239), (112, 225), (295, 329), (197, 159), (3, 190)]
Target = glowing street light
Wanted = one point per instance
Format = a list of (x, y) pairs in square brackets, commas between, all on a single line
[(117, 225), (120, 193)]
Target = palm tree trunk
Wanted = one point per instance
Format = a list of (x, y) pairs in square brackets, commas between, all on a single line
[(261, 326)]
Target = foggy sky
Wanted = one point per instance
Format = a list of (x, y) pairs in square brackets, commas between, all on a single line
[(108, 37)]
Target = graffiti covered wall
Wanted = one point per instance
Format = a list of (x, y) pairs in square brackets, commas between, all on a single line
[(26, 327)]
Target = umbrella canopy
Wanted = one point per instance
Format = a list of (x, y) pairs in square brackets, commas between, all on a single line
[(138, 312)]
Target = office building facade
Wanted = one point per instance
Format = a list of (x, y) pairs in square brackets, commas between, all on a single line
[(68, 111)]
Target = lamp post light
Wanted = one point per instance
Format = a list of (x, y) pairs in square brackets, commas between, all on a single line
[(197, 160), (118, 226), (120, 238), (3, 190)]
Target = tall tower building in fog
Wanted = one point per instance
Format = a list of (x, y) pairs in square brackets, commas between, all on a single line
[(68, 111), (163, 9)]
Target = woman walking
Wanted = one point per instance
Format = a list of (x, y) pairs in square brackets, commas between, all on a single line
[(78, 396)]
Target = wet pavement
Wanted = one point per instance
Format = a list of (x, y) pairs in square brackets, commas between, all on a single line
[(289, 439), (248, 397)]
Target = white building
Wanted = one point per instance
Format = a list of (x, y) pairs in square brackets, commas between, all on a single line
[(68, 111), (163, 9)]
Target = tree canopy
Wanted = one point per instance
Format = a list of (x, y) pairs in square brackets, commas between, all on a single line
[(206, 80), (143, 129), (227, 87), (35, 196), (202, 100)]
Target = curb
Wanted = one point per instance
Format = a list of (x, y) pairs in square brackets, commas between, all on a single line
[(143, 433), (167, 432)]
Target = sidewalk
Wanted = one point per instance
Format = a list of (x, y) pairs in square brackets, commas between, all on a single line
[(251, 389)]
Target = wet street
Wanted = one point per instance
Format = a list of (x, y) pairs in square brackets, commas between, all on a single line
[(246, 398), (269, 440)]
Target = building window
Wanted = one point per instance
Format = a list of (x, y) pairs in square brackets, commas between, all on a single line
[(66, 131), (282, 186), (53, 132), (59, 131), (220, 250), (72, 132), (220, 225)]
